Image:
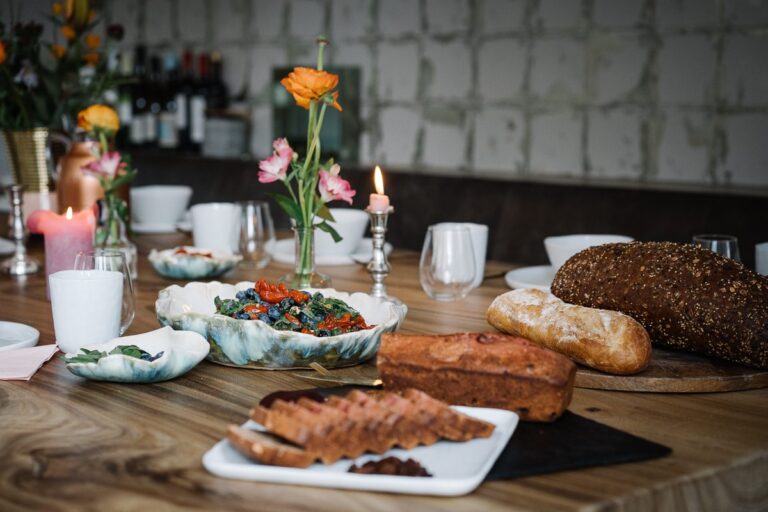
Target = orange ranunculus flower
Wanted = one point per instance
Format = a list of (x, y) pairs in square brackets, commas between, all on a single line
[(309, 84), (91, 58), (92, 41), (68, 32), (57, 8), (58, 50), (98, 116), (2, 52)]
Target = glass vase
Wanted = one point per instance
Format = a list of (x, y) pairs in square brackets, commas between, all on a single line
[(113, 234), (304, 274)]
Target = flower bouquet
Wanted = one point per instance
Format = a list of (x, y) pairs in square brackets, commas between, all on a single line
[(310, 183)]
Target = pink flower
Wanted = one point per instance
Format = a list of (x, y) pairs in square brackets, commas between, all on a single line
[(275, 167), (108, 166), (332, 187)]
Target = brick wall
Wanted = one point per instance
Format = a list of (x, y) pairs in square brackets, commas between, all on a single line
[(641, 91)]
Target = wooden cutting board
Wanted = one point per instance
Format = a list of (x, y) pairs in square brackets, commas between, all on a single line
[(677, 372)]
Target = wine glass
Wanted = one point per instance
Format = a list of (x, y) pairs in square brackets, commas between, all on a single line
[(447, 265), (111, 260), (724, 245), (257, 233)]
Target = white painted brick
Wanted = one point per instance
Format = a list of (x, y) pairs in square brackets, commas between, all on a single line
[(444, 146), (356, 55), (686, 13), (398, 71), (501, 69), (501, 16), (399, 17), (267, 18), (350, 19), (157, 25), (557, 14), (127, 14), (191, 21), (236, 67), (619, 61), (498, 140), (261, 131), (683, 152), (686, 69), (447, 16), (747, 160), (399, 129), (557, 69), (307, 18), (746, 13), (229, 19), (449, 66), (618, 13), (263, 59), (614, 144), (556, 144), (745, 71)]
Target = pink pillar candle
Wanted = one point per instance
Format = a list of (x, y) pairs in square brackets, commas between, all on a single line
[(65, 236), (378, 202)]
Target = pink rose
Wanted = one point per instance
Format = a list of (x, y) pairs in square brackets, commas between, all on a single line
[(332, 187), (108, 166), (275, 167)]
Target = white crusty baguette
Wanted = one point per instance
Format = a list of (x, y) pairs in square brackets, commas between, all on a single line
[(606, 340)]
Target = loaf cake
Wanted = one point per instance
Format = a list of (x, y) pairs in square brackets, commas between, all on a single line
[(687, 297), (609, 341), (480, 369)]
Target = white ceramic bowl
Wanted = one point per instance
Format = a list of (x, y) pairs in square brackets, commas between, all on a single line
[(159, 205), (192, 265), (254, 344), (560, 248), (182, 351), (350, 224)]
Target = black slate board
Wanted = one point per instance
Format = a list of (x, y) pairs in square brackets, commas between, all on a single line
[(570, 442)]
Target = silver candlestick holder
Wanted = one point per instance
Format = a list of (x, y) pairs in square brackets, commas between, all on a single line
[(20, 263), (379, 267)]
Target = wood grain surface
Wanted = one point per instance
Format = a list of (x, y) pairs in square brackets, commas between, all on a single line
[(72, 444)]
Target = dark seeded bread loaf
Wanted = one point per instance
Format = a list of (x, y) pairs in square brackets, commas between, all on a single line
[(687, 297)]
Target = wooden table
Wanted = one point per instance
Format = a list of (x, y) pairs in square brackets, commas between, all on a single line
[(71, 444)]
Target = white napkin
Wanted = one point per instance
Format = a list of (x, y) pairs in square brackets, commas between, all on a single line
[(23, 363)]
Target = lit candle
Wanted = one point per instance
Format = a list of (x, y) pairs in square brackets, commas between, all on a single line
[(378, 202), (65, 236)]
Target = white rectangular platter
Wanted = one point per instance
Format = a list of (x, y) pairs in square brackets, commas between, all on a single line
[(457, 468)]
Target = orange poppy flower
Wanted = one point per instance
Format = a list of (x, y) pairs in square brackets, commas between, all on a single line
[(309, 84), (91, 58), (58, 50), (2, 52), (57, 8), (92, 41), (68, 32), (98, 116)]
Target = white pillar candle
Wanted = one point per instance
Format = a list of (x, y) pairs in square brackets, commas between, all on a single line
[(378, 202)]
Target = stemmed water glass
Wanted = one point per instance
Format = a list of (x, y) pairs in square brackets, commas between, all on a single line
[(257, 233), (447, 265), (724, 245), (113, 261)]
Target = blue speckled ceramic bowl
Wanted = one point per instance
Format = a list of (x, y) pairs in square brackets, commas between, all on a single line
[(182, 351), (168, 263), (254, 344)]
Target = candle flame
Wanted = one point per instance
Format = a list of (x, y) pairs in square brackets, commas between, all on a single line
[(68, 215), (378, 180)]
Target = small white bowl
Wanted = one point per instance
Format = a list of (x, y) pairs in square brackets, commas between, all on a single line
[(350, 224), (15, 335), (193, 265), (159, 205), (182, 351), (560, 248)]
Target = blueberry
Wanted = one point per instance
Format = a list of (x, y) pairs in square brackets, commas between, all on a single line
[(323, 333), (252, 295), (243, 316), (274, 313), (303, 318), (265, 319), (241, 295), (287, 303)]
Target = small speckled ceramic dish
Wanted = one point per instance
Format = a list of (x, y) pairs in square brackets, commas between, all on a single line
[(182, 351), (254, 344), (192, 263)]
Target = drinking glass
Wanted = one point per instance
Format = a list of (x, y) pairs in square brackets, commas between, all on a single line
[(725, 245), (114, 261), (257, 233), (447, 266)]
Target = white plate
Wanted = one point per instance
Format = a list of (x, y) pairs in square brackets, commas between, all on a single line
[(284, 253), (6, 246), (14, 335), (150, 229), (539, 277), (457, 468)]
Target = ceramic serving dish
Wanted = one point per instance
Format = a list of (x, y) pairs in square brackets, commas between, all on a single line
[(254, 344), (182, 351), (196, 263)]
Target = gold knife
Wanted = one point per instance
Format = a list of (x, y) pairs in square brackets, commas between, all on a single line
[(349, 381)]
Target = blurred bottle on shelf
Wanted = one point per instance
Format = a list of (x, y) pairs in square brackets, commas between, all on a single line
[(125, 99), (167, 130), (199, 103), (218, 94), (184, 93), (154, 93), (137, 132)]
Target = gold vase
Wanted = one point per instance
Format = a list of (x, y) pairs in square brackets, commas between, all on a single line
[(30, 154)]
